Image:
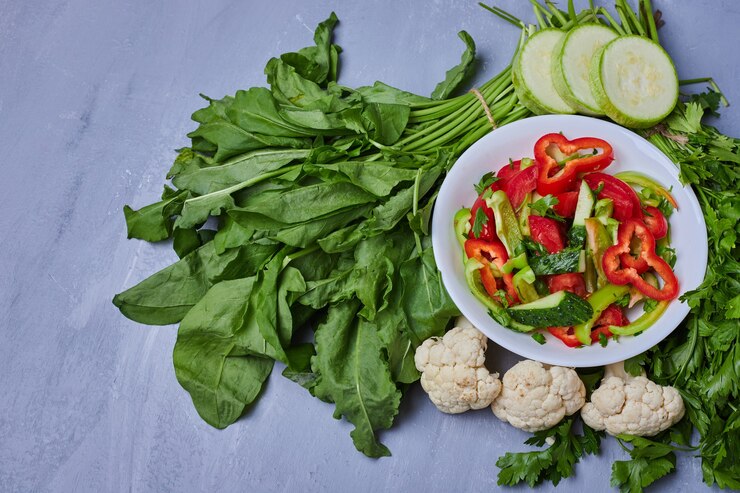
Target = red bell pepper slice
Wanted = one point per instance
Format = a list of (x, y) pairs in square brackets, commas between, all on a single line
[(573, 282), (655, 222), (565, 334), (626, 201), (546, 232), (619, 274), (554, 178), (638, 263), (486, 252), (518, 185), (566, 205)]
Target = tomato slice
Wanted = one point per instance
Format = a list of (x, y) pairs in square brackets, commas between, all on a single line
[(566, 205), (626, 201), (572, 282), (655, 222), (546, 232), (613, 315), (510, 169), (518, 185)]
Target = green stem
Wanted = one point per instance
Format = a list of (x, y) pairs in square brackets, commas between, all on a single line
[(632, 18), (647, 8), (712, 84), (556, 12), (614, 24), (503, 15)]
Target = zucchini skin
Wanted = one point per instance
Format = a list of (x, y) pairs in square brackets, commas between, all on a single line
[(569, 309), (557, 263)]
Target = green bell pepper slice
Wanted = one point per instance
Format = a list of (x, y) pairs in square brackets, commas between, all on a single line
[(462, 225), (599, 301), (507, 224), (642, 323), (496, 310)]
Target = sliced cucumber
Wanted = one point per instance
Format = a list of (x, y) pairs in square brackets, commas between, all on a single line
[(584, 206), (634, 81), (532, 74), (559, 263), (571, 63), (555, 310)]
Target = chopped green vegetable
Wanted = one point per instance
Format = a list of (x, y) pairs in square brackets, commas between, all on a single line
[(537, 336), (486, 181)]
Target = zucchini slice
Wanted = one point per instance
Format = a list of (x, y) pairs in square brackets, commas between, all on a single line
[(532, 74), (634, 81), (571, 63), (555, 310)]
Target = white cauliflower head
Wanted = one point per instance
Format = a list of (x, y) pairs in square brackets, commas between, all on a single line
[(632, 405), (453, 370), (536, 397)]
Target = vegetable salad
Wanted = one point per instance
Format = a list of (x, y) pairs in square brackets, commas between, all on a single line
[(554, 243)]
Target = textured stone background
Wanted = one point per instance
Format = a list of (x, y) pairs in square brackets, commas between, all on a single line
[(94, 97)]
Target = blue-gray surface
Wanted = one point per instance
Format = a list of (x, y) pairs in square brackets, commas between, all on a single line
[(94, 96)]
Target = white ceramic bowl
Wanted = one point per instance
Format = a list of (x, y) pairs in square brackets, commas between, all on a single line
[(631, 152)]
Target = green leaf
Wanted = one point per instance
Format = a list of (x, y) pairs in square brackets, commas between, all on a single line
[(425, 300), (480, 220), (299, 367), (634, 475), (235, 170), (220, 357), (387, 120), (354, 374), (458, 73), (304, 203), (165, 297), (154, 222)]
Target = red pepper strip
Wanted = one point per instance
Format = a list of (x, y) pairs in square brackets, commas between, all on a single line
[(546, 232), (611, 316), (619, 274), (486, 252), (637, 263), (626, 202), (565, 334), (572, 282), (655, 222), (556, 179), (518, 185), (566, 205)]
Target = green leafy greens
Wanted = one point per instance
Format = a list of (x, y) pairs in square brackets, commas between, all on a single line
[(322, 196)]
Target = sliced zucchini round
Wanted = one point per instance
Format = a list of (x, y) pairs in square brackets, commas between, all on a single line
[(634, 81), (532, 74), (571, 62)]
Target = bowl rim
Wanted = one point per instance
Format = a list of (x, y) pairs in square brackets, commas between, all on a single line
[(657, 163)]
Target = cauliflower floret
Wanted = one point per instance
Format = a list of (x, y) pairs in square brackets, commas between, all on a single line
[(453, 372), (632, 405), (536, 397)]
